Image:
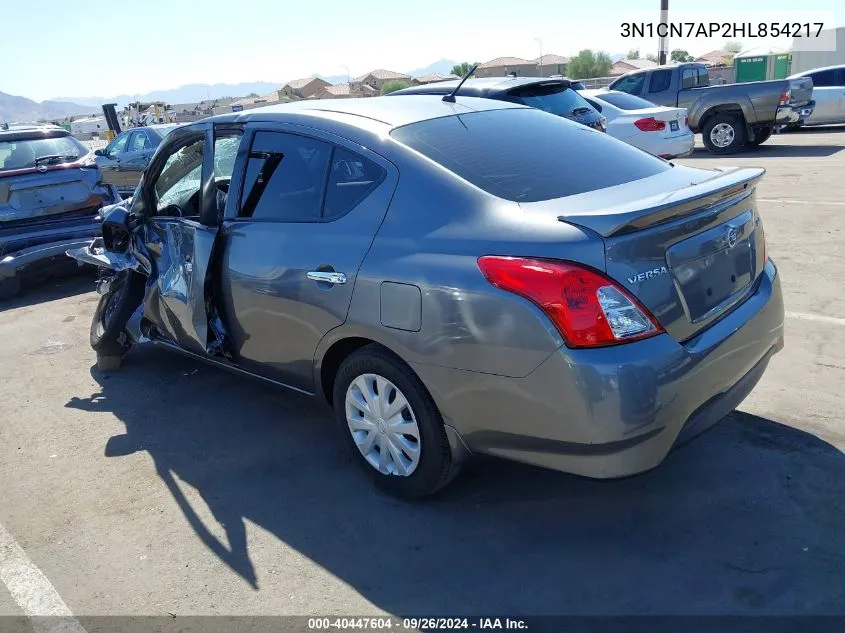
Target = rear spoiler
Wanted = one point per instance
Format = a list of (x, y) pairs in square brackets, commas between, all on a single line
[(666, 207)]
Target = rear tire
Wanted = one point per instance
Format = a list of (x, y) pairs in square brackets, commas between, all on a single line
[(761, 136), (724, 134), (113, 312), (434, 467)]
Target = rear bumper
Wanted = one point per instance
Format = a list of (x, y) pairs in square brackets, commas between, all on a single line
[(656, 145), (619, 410), (794, 114)]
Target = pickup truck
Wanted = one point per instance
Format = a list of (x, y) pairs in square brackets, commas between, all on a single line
[(728, 116)]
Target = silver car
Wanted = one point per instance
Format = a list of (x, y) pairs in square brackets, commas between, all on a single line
[(828, 93), (475, 277)]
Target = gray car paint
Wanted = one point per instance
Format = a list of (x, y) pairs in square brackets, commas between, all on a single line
[(495, 364)]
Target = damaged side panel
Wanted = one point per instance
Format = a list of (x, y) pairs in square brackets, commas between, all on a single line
[(176, 301)]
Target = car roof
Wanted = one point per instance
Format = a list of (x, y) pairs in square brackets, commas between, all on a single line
[(804, 73), (364, 112), (480, 85)]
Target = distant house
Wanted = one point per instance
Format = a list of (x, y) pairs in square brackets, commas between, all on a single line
[(434, 78), (345, 91), (717, 58), (551, 65), (502, 66), (377, 78), (303, 88), (248, 103), (627, 65)]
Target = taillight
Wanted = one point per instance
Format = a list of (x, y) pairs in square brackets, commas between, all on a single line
[(587, 308), (785, 96), (650, 124), (686, 121)]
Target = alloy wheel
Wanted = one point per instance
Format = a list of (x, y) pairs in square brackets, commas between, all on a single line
[(722, 135), (383, 425)]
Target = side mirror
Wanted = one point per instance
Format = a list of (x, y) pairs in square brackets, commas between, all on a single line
[(99, 152)]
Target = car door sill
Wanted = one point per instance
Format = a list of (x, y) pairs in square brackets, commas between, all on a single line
[(229, 366)]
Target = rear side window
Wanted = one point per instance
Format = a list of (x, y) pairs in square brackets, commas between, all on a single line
[(285, 177), (524, 155), (552, 98), (352, 178), (625, 101), (660, 80), (823, 79), (31, 152)]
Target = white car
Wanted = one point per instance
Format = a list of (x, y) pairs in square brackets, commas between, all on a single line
[(656, 129), (828, 93)]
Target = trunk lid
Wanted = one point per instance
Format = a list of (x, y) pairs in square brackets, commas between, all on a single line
[(42, 194), (687, 243), (801, 90)]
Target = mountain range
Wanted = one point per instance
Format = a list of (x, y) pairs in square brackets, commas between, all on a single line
[(14, 108)]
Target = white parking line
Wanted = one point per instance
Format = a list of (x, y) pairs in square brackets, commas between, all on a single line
[(815, 317), (31, 590), (815, 202)]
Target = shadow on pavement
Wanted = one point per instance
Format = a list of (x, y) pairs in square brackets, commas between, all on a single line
[(74, 282), (820, 129), (774, 151), (746, 519)]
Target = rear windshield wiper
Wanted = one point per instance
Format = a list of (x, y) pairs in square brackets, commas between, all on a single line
[(55, 158)]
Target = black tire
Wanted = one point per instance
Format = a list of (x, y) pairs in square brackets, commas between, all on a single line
[(436, 466), (113, 312), (761, 136), (735, 123), (10, 287)]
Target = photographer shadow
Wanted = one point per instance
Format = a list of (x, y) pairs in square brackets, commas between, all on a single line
[(745, 519)]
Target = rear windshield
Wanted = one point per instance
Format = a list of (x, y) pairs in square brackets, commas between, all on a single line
[(525, 155), (552, 98), (23, 153), (625, 101)]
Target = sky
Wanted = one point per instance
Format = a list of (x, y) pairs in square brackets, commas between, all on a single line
[(99, 48)]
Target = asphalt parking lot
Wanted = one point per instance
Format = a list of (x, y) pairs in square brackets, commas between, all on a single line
[(171, 487)]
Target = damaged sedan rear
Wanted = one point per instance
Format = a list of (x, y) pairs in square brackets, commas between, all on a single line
[(50, 194), (452, 278)]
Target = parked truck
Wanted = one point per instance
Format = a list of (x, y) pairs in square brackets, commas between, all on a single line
[(728, 116)]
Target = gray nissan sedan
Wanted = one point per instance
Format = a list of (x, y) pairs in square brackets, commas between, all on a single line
[(453, 278)]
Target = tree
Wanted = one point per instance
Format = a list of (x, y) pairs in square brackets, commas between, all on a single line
[(733, 47), (680, 55), (253, 95), (462, 69), (393, 86), (589, 64), (634, 53), (652, 58)]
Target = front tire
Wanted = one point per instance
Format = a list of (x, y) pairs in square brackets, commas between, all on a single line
[(724, 134), (112, 313), (391, 424)]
